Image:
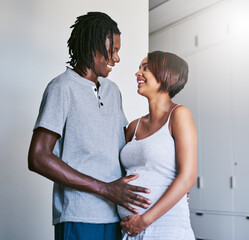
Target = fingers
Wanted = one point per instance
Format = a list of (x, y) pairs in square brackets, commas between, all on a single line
[(125, 219), (133, 235), (127, 228), (139, 189), (130, 178), (138, 203), (126, 195), (138, 198), (125, 225), (135, 188), (131, 209)]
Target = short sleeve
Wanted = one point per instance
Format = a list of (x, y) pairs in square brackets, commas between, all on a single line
[(54, 108), (123, 119)]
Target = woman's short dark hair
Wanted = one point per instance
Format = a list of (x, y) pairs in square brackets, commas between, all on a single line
[(169, 70), (88, 36)]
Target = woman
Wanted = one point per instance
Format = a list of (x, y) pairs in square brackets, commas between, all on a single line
[(162, 148)]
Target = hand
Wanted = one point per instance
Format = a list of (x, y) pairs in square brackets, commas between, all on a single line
[(133, 224), (122, 193)]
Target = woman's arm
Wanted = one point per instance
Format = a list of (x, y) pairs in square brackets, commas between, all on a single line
[(184, 133)]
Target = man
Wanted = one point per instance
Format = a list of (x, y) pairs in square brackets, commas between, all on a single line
[(79, 133)]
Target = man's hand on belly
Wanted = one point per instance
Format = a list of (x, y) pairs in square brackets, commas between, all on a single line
[(122, 193)]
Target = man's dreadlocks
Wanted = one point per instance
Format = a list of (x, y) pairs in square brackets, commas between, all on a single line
[(88, 36)]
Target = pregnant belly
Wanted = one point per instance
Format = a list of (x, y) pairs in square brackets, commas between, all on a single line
[(154, 196), (180, 210), (158, 186)]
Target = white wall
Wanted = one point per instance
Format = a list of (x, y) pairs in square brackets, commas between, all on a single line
[(33, 51)]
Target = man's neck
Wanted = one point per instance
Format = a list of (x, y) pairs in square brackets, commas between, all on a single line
[(90, 75)]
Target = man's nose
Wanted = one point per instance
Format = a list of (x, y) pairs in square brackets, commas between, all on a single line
[(116, 58)]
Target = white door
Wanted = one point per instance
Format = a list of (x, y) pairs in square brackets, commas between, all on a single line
[(212, 226)]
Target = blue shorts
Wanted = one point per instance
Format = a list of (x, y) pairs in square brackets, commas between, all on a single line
[(87, 231)]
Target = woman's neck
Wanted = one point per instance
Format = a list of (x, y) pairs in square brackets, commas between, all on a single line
[(158, 106)]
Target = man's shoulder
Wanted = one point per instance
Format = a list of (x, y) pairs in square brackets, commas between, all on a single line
[(60, 81)]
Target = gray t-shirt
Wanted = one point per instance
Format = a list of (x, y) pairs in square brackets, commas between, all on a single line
[(90, 124)]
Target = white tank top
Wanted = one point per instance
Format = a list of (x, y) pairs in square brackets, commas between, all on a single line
[(153, 158), (154, 154)]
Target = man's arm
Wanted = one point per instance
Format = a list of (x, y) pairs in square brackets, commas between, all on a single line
[(42, 160)]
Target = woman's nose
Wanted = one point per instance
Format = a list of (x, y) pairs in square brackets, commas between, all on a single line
[(138, 73)]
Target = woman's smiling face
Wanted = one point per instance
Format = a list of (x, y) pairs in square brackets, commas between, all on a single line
[(147, 83)]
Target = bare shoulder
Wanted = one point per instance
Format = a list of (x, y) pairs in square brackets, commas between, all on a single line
[(181, 112), (130, 130), (181, 120)]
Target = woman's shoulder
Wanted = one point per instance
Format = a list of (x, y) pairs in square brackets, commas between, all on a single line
[(131, 130), (181, 120), (180, 112)]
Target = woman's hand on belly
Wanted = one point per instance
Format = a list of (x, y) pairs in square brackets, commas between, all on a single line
[(133, 224)]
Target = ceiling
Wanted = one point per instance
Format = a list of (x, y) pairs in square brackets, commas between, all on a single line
[(165, 12), (156, 3)]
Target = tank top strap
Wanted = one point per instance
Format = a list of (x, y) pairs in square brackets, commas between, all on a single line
[(172, 111), (134, 135)]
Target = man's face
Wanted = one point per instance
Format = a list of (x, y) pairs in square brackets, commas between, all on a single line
[(102, 67)]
